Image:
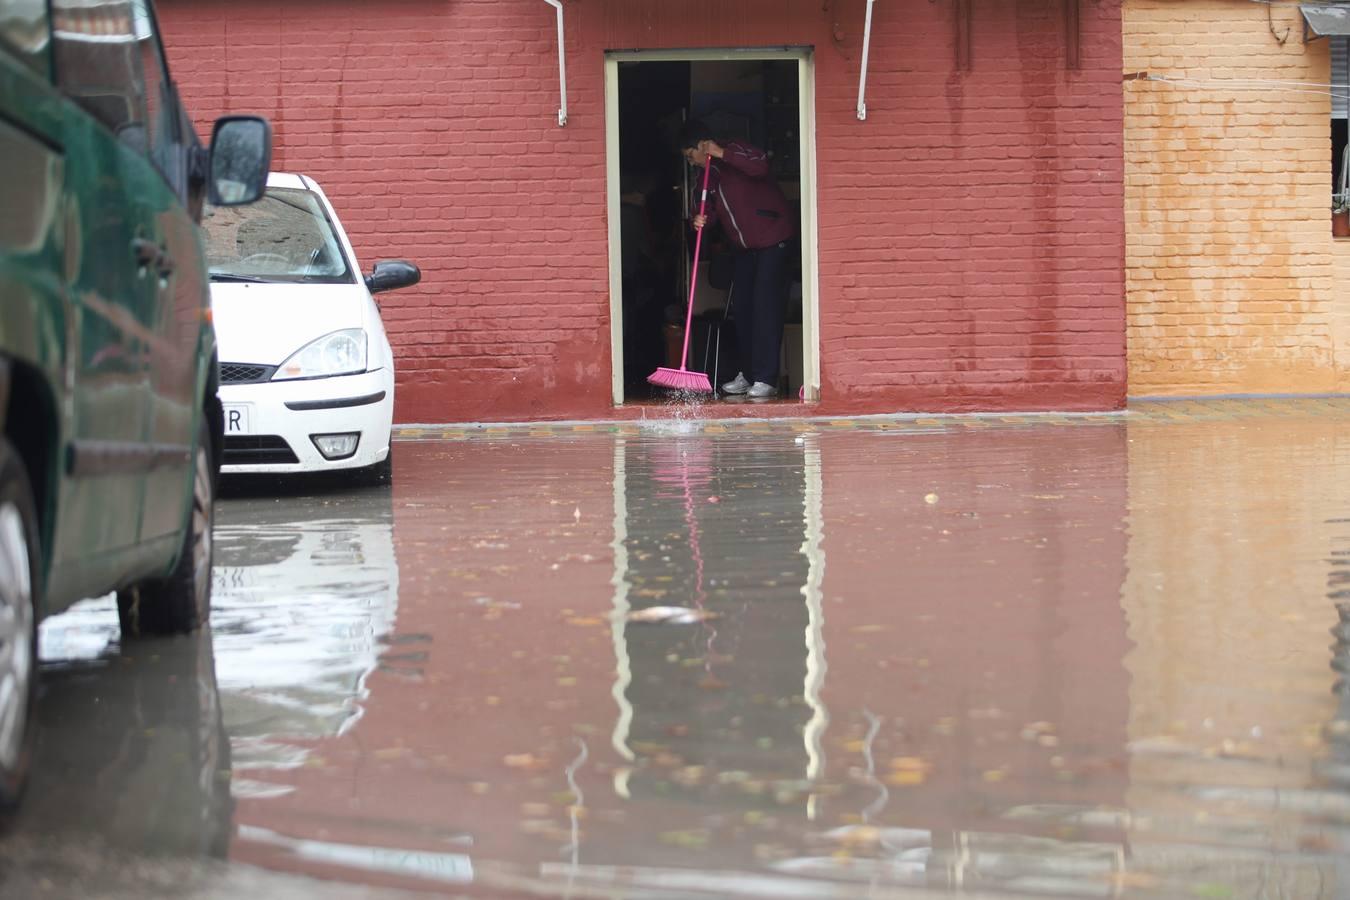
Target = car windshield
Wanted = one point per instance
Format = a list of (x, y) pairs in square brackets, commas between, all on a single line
[(285, 236)]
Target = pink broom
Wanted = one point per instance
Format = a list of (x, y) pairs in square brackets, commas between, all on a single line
[(682, 379)]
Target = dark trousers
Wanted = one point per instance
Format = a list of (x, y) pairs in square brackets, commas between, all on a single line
[(759, 302)]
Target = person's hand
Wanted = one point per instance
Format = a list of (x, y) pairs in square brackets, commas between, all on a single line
[(711, 148), (699, 222)]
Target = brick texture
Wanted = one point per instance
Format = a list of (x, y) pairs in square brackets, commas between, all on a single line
[(971, 230), (1229, 254)]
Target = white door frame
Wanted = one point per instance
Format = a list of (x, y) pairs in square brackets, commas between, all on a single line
[(806, 129)]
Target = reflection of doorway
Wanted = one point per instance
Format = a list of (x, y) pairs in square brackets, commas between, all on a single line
[(741, 692), (761, 97)]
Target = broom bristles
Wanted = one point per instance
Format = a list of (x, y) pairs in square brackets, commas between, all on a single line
[(681, 380)]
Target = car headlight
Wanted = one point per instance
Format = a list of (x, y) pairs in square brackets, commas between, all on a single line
[(339, 353)]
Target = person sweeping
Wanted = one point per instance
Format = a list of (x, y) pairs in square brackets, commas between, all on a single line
[(748, 204)]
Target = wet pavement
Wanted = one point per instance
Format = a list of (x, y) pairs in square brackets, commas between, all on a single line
[(1044, 655)]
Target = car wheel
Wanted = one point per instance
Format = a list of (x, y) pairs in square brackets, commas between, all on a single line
[(182, 602), (381, 472), (20, 585)]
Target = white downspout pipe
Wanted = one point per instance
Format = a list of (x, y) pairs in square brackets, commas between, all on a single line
[(862, 76), (562, 63)]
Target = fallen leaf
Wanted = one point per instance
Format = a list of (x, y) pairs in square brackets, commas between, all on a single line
[(692, 839), (910, 763), (526, 761)]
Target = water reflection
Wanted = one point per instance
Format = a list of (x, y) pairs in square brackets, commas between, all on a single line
[(132, 755), (303, 590), (728, 693), (910, 671), (1230, 530), (1085, 660)]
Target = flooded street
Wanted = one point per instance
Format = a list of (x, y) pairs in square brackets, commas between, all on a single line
[(1046, 656)]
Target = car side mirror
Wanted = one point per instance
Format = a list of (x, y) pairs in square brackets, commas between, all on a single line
[(392, 274), (241, 157)]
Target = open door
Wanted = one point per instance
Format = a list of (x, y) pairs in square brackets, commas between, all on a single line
[(763, 98)]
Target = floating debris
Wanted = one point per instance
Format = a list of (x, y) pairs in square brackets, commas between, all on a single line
[(670, 615)]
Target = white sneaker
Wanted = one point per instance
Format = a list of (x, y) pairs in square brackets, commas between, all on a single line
[(737, 385), (760, 390)]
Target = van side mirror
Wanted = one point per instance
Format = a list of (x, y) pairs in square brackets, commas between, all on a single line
[(241, 157), (392, 274)]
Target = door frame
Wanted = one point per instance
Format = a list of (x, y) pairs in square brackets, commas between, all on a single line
[(806, 130)]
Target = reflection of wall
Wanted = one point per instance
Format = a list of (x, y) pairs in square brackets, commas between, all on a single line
[(501, 658), (505, 674), (1227, 591), (974, 593)]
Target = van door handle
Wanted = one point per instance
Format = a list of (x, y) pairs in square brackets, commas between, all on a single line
[(147, 252)]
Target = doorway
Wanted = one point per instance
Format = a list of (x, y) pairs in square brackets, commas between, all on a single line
[(763, 98)]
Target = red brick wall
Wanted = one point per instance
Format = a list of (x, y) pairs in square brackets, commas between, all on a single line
[(971, 236)]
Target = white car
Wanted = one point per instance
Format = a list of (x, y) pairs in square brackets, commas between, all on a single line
[(306, 373)]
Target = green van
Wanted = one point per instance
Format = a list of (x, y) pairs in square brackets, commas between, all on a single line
[(110, 429)]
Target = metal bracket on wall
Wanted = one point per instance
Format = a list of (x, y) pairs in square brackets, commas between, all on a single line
[(1270, 21), (961, 12), (862, 74), (562, 65), (1073, 35)]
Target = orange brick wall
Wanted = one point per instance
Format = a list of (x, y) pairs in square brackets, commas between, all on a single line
[(1230, 274), (1340, 314)]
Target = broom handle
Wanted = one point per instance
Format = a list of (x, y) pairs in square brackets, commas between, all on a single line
[(693, 278)]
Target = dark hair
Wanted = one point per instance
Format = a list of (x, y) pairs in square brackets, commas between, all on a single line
[(693, 133)]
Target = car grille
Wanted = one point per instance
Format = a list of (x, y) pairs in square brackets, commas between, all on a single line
[(258, 450), (244, 373)]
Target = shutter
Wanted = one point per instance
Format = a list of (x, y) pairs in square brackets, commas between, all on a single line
[(1340, 78)]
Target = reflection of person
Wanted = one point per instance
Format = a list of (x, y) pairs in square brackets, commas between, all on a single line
[(753, 212)]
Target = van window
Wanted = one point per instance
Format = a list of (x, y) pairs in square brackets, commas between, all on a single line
[(108, 60), (24, 31)]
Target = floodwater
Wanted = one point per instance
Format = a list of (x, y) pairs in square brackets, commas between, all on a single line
[(1086, 657)]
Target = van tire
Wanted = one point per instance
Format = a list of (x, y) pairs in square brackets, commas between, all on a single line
[(180, 603), (20, 594)]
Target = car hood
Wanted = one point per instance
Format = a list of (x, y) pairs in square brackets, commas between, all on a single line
[(266, 323)]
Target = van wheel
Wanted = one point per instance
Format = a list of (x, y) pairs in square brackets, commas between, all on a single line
[(182, 602), (20, 587)]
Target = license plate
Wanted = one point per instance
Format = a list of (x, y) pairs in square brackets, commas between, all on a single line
[(236, 420)]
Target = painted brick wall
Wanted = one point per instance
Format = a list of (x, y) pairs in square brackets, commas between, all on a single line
[(1340, 314), (971, 234), (1230, 270)]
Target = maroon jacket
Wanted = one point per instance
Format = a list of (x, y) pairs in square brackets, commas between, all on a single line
[(745, 199)]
